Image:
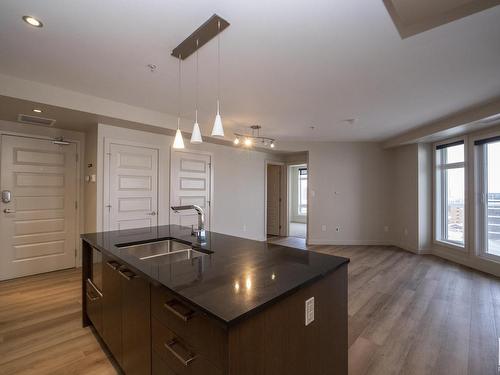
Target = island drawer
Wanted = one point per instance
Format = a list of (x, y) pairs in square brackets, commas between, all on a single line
[(159, 367), (176, 355), (206, 336)]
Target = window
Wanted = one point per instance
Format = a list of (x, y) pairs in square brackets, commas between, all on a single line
[(489, 196), (302, 191), (450, 193)]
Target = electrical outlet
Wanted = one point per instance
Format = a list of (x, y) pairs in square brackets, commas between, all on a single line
[(323, 227), (309, 311), (337, 229)]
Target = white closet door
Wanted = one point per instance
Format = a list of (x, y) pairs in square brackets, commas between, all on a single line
[(38, 226), (190, 184), (132, 199)]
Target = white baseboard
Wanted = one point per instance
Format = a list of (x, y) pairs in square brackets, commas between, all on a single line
[(348, 242)]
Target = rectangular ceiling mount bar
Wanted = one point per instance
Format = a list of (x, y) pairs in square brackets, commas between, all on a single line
[(203, 34)]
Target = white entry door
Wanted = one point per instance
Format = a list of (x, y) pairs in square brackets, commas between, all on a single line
[(131, 187), (190, 179), (38, 226)]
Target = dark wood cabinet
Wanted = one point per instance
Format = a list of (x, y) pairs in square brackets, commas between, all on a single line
[(151, 331), (112, 308), (126, 321), (136, 323)]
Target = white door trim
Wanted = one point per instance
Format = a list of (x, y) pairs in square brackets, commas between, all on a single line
[(212, 182), (79, 181), (162, 215)]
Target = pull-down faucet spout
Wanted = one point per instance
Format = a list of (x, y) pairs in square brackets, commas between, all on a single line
[(200, 233)]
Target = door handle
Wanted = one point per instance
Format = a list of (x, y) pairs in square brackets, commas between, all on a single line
[(152, 213), (9, 211)]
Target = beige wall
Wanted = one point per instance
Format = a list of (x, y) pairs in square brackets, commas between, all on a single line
[(348, 189), (404, 197)]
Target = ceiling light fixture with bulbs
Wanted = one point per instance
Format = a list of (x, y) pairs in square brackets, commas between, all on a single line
[(32, 21), (211, 28), (254, 139)]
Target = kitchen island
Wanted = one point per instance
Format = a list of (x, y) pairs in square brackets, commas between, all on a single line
[(165, 302)]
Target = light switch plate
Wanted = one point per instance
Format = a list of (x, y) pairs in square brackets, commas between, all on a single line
[(309, 311)]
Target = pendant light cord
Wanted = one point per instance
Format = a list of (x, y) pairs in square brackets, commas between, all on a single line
[(197, 82), (218, 65), (179, 93)]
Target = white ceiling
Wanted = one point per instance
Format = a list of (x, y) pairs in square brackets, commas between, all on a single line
[(286, 65)]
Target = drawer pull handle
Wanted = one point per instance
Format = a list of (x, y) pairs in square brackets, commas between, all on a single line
[(185, 361), (96, 289), (127, 274), (170, 306), (113, 265), (91, 298)]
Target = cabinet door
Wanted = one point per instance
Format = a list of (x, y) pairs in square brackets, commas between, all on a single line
[(112, 308), (136, 324)]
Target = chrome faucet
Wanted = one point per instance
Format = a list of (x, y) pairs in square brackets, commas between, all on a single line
[(200, 232)]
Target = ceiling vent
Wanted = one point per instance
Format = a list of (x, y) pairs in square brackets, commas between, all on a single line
[(35, 120)]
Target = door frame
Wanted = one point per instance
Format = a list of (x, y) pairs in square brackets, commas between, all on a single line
[(79, 220), (211, 190), (105, 183), (284, 199)]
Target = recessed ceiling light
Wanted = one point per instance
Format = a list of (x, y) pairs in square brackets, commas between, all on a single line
[(37, 110), (32, 21)]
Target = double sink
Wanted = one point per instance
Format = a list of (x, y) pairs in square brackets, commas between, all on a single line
[(162, 252)]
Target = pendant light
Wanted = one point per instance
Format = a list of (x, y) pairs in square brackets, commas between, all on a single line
[(178, 141), (218, 129), (196, 134)]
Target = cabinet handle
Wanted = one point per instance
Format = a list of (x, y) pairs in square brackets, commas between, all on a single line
[(92, 298), (127, 274), (170, 347), (113, 265), (96, 289), (170, 307)]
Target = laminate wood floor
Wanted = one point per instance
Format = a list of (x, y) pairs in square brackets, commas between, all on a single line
[(408, 314)]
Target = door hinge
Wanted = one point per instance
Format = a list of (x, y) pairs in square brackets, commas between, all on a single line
[(76, 205)]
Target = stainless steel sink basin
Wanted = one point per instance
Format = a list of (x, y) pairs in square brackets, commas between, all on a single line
[(162, 252)]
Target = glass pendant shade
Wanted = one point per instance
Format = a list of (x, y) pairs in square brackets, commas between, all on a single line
[(196, 135), (178, 141), (218, 129)]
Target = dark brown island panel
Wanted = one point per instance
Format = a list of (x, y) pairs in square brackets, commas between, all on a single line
[(204, 316)]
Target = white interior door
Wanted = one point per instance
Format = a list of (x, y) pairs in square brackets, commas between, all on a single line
[(190, 179), (132, 187), (38, 226), (273, 199)]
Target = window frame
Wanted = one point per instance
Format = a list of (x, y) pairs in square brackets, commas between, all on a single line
[(440, 195), (299, 195), (480, 201)]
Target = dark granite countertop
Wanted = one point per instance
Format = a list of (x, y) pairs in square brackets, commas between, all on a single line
[(236, 278)]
